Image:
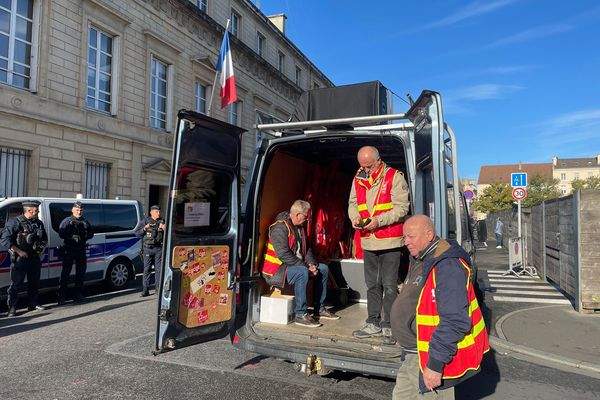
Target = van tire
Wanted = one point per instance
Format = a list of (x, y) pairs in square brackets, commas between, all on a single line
[(120, 272)]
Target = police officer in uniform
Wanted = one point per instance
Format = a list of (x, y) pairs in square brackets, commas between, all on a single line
[(26, 238), (151, 230), (75, 231)]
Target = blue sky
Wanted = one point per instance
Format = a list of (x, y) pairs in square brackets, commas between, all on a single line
[(520, 79)]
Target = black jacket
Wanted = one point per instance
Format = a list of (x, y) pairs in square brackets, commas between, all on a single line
[(75, 232), (279, 237)]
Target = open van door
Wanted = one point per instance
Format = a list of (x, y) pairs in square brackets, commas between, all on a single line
[(197, 289), (436, 173)]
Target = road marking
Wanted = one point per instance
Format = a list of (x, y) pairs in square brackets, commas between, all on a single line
[(527, 292), (530, 300), (505, 280), (531, 286)]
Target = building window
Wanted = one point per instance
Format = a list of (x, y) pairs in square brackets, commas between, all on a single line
[(260, 44), (563, 190), (576, 176), (96, 180), (200, 95), (234, 26), (158, 95), (234, 113), (202, 5), (563, 176), (16, 42), (280, 61), (590, 174), (99, 77), (298, 75), (13, 178)]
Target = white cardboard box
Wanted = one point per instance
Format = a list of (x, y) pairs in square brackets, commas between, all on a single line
[(277, 309)]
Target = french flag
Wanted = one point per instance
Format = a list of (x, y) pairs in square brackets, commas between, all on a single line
[(226, 78)]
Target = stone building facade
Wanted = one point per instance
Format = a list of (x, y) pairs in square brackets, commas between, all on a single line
[(567, 170), (89, 89)]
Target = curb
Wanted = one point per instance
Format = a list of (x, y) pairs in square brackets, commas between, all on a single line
[(503, 343)]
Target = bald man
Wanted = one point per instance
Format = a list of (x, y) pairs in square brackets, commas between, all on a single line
[(377, 205), (438, 301)]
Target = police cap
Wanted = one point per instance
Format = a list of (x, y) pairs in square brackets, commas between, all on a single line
[(78, 204), (31, 204), (155, 207)]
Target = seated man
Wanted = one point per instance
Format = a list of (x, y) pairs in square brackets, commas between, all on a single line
[(289, 258)]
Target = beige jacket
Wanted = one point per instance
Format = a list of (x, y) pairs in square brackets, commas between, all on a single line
[(396, 214)]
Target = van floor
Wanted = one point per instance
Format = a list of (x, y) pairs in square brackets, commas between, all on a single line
[(352, 317)]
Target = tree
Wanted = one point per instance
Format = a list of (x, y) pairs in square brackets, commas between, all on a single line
[(496, 197), (592, 182), (541, 188)]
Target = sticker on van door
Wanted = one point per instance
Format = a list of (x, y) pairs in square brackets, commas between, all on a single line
[(202, 287)]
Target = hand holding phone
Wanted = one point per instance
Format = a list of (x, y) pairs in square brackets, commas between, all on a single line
[(362, 223)]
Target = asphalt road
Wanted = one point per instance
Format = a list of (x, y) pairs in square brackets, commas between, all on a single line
[(102, 349)]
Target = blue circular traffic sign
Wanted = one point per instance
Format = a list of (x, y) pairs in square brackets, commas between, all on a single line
[(469, 194)]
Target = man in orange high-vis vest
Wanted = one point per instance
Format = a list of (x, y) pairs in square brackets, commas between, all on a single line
[(377, 205), (436, 317), (288, 258)]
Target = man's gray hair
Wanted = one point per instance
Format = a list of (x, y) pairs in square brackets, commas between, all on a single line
[(300, 206)]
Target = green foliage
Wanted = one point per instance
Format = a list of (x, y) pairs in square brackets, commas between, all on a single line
[(592, 182), (496, 197), (541, 188)]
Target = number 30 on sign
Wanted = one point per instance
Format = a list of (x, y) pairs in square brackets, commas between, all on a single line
[(519, 193)]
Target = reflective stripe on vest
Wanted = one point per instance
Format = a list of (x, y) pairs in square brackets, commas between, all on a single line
[(470, 348), (383, 203), (272, 262)]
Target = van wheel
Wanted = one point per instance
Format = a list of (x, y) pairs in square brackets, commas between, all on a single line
[(119, 274)]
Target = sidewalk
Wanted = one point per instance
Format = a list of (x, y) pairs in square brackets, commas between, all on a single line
[(543, 333)]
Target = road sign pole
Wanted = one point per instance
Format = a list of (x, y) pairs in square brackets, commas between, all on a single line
[(519, 216)]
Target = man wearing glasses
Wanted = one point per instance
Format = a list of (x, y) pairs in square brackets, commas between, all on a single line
[(377, 205), (25, 238), (288, 258)]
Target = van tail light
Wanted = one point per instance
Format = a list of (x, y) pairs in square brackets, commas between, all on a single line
[(238, 299), (236, 339)]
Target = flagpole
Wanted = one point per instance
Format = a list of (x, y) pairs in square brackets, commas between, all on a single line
[(212, 93)]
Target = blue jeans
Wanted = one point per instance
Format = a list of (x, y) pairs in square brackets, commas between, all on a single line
[(297, 275), (498, 239)]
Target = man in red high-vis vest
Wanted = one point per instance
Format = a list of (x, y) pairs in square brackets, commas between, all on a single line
[(436, 317), (377, 205)]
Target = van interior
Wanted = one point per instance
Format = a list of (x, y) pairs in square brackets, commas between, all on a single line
[(321, 170)]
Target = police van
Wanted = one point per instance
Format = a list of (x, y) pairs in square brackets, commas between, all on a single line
[(215, 240), (113, 254)]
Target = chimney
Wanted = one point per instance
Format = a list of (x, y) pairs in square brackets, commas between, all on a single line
[(598, 159), (555, 160), (279, 21)]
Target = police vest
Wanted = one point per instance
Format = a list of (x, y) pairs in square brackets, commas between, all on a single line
[(383, 203), (272, 263), (30, 236), (473, 345), (78, 234), (153, 236)]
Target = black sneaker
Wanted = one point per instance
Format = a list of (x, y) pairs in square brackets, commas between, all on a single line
[(326, 314), (61, 301), (36, 308), (307, 320), (12, 312), (145, 294)]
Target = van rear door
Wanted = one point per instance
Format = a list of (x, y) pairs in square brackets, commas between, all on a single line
[(197, 289)]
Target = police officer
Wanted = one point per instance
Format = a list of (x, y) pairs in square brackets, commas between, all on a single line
[(26, 238), (151, 229), (75, 231)]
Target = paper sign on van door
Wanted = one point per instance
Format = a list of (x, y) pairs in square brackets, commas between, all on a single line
[(204, 297)]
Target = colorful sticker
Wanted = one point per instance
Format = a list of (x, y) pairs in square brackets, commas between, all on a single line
[(201, 252), (216, 289), (223, 298), (191, 255), (208, 289), (221, 275), (202, 316), (182, 252), (213, 305), (216, 258)]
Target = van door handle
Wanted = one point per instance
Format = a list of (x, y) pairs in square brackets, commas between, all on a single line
[(248, 252)]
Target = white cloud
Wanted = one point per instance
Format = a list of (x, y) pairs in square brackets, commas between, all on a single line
[(576, 134), (509, 69), (484, 91), (532, 34), (471, 10)]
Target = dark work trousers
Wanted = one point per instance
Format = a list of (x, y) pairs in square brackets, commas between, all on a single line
[(381, 277), (152, 255), (70, 256), (29, 267)]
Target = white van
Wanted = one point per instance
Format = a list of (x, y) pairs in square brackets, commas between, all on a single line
[(113, 254), (215, 241)]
